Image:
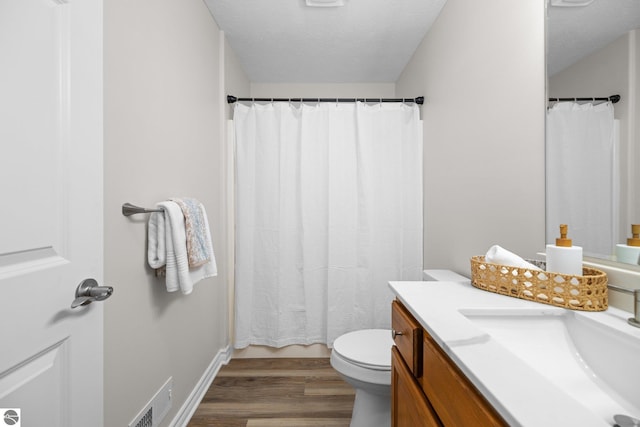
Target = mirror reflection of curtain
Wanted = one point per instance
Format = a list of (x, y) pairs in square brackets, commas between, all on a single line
[(329, 209), (581, 179)]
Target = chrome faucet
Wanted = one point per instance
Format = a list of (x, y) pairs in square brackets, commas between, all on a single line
[(635, 320)]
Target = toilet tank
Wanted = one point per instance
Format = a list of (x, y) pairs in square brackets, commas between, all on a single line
[(443, 276)]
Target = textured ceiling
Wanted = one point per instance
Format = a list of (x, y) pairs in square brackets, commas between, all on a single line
[(371, 41), (364, 41), (575, 32)]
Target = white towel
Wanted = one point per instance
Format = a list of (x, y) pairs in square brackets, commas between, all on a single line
[(156, 251), (170, 224), (499, 255)]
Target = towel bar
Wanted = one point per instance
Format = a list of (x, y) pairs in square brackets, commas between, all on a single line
[(128, 209)]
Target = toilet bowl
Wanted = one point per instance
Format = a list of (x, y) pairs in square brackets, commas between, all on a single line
[(363, 359)]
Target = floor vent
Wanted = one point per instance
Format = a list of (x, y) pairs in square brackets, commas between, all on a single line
[(146, 420), (156, 409)]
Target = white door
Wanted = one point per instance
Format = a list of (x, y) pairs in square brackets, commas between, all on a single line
[(50, 212)]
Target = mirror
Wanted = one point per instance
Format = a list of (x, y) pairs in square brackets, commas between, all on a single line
[(593, 50)]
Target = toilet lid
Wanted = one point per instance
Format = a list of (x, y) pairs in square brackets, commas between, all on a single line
[(369, 348)]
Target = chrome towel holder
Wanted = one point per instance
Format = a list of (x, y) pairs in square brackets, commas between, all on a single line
[(128, 209)]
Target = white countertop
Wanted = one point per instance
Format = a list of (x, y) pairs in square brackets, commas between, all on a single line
[(518, 392)]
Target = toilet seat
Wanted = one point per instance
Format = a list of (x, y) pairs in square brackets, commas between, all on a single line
[(368, 348)]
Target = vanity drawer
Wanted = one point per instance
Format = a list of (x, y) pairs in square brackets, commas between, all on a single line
[(455, 399), (407, 336)]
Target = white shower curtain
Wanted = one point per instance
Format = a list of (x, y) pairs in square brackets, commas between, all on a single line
[(329, 209), (581, 186)]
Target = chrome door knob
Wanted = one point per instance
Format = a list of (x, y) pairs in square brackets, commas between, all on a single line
[(88, 291), (395, 333)]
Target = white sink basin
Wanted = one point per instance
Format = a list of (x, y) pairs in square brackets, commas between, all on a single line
[(594, 361)]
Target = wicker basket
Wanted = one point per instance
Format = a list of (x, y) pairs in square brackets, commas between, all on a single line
[(587, 292)]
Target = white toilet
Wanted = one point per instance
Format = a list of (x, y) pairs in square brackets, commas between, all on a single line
[(363, 359)]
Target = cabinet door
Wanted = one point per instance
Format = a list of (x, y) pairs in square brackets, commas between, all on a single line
[(409, 406), (457, 401)]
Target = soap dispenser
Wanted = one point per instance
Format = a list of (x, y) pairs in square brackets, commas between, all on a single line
[(563, 257), (630, 253)]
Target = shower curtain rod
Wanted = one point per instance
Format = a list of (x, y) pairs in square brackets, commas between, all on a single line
[(418, 100), (613, 98)]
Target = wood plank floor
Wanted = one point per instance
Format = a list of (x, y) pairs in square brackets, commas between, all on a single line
[(276, 392)]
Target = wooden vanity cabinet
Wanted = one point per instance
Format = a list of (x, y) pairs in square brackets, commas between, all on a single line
[(439, 394), (409, 407)]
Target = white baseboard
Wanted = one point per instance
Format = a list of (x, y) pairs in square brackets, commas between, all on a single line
[(195, 397)]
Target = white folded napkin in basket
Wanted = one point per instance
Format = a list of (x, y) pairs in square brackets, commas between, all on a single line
[(499, 255)]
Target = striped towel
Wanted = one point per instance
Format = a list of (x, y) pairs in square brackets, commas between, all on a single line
[(196, 230)]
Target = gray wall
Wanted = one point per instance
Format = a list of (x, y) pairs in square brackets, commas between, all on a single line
[(236, 84), (236, 81), (481, 68), (163, 120), (328, 90)]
